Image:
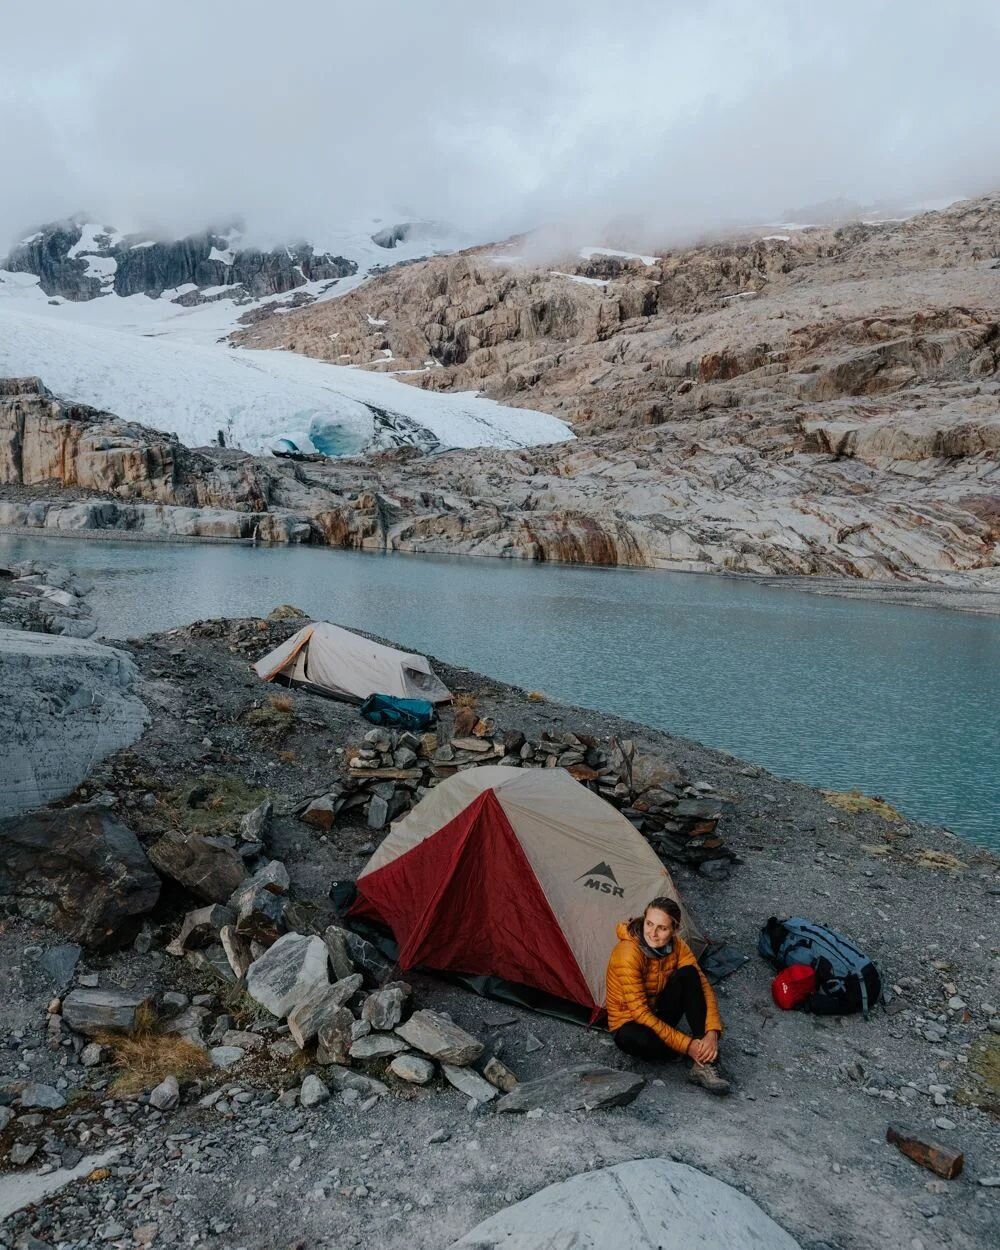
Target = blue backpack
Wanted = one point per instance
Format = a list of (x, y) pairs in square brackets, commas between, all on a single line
[(846, 979), (414, 715)]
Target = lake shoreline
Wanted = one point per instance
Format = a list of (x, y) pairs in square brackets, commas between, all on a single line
[(976, 600)]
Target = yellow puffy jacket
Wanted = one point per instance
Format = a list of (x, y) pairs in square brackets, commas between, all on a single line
[(635, 981)]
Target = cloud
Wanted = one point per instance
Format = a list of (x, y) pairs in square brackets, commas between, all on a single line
[(663, 118)]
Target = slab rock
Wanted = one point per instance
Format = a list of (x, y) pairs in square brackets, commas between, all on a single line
[(80, 869), (288, 973), (259, 904), (59, 964), (98, 1011), (649, 1204), (469, 1082), (200, 928), (67, 704), (581, 1087), (440, 1038), (377, 1046), (205, 866)]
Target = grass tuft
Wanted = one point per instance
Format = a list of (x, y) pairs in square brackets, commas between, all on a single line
[(282, 703), (144, 1057), (855, 802)]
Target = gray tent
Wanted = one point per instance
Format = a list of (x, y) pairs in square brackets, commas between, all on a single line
[(335, 662)]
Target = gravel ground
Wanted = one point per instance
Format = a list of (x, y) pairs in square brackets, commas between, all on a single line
[(804, 1134)]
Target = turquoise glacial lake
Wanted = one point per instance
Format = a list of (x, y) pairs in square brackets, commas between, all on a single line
[(903, 702)]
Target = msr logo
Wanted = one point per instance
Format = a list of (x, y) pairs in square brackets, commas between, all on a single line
[(609, 885)]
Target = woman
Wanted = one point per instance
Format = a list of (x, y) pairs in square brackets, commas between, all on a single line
[(654, 980)]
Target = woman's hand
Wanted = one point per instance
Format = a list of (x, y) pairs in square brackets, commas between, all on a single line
[(705, 1049)]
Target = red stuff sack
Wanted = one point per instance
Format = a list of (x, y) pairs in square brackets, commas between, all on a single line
[(793, 985)]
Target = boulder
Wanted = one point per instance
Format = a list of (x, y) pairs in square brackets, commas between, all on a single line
[(67, 704), (384, 1009), (288, 973), (335, 1037), (102, 1011), (648, 1204), (226, 1056), (440, 1038), (366, 957), (321, 813), (413, 1068), (498, 1074), (205, 866), (582, 1087), (80, 869)]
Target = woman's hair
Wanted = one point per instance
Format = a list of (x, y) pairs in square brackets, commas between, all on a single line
[(660, 904)]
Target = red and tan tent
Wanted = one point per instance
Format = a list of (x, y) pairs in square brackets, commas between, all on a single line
[(516, 873)]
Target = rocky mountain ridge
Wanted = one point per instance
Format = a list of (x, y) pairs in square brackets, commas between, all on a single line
[(77, 260)]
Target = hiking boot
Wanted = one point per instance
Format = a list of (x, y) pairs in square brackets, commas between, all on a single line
[(709, 1076)]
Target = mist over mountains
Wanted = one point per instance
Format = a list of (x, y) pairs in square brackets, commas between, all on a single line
[(656, 121)]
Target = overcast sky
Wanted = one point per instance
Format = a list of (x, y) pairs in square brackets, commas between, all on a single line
[(670, 116)]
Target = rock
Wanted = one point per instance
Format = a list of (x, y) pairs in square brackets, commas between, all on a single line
[(205, 866), (237, 950), (413, 1068), (99, 1011), (313, 1091), (335, 1037), (190, 1025), (642, 1205), (167, 1095), (582, 1087), (384, 1008), (288, 973), (377, 1046), (259, 904), (340, 959), (498, 1074), (256, 825), (6, 1115), (59, 963), (469, 1082), (378, 812), (532, 1043), (365, 956), (213, 960), (200, 928), (21, 1153), (92, 1055), (173, 1001), (321, 813), (244, 1039), (88, 873), (68, 704), (990, 1182), (344, 1079), (311, 1015), (438, 1037), (226, 1056), (44, 1097)]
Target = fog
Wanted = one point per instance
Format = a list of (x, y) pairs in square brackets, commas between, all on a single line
[(633, 121)]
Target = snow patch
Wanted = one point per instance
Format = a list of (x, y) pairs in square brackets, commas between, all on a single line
[(374, 321), (579, 277), (227, 257), (588, 253)]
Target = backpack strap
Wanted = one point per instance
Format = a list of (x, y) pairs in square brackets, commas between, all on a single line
[(863, 986)]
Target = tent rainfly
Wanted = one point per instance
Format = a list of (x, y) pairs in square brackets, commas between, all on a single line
[(343, 665), (515, 873)]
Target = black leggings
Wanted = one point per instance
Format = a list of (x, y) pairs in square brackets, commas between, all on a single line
[(681, 996)]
